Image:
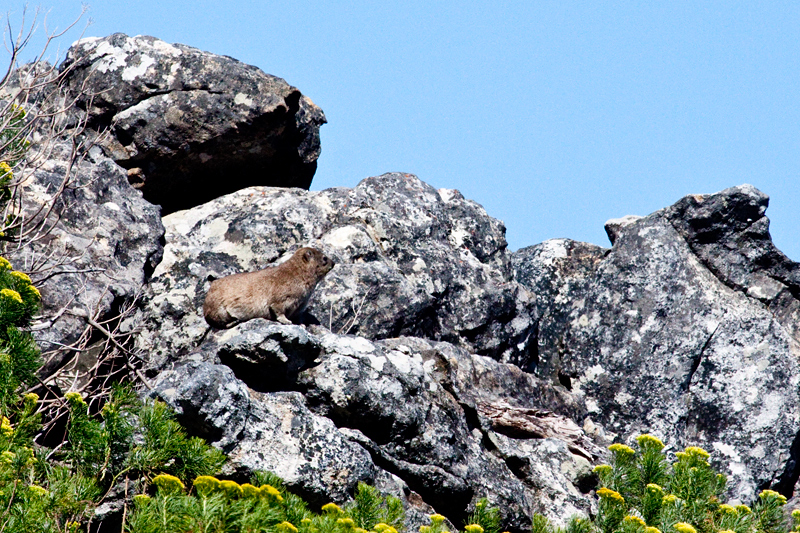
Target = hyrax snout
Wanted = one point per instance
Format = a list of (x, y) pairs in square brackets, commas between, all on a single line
[(276, 293)]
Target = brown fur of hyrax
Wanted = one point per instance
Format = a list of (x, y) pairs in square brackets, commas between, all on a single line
[(276, 293)]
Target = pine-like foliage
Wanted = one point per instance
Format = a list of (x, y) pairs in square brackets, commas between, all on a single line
[(642, 492), (264, 505)]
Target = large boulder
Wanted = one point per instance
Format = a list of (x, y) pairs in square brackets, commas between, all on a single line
[(685, 328), (191, 125), (410, 260)]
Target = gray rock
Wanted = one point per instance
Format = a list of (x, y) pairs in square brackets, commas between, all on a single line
[(191, 125), (273, 432), (427, 414), (682, 329), (410, 260), (97, 247)]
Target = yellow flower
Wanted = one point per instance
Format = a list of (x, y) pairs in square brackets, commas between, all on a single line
[(683, 527), (270, 492), (669, 498), (771, 494), (4, 264), (696, 451), (33, 290), (5, 427), (205, 485), (331, 508), (796, 514), (168, 483), (36, 490), (20, 275), (645, 440), (728, 509), (621, 449), (380, 527), (5, 169), (250, 491), (286, 527), (654, 489), (231, 488), (425, 529), (473, 528), (602, 470), (743, 509), (141, 499), (75, 399), (31, 398), (611, 495), (725, 531), (651, 529), (7, 457), (437, 519), (634, 520), (10, 294), (346, 523)]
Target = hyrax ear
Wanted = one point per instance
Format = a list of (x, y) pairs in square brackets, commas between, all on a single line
[(308, 256)]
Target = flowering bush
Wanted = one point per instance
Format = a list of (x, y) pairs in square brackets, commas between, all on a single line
[(642, 492)]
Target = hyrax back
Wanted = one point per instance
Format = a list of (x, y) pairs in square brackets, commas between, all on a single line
[(275, 293)]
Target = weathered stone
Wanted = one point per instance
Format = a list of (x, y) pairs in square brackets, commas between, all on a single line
[(191, 125), (663, 333), (272, 432), (410, 260), (98, 245)]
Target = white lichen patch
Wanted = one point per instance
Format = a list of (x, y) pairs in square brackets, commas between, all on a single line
[(457, 237), (727, 450), (771, 409), (404, 363), (623, 398), (108, 57), (342, 237), (216, 229), (132, 72), (242, 99)]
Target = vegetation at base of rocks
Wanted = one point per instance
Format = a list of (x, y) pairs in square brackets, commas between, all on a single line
[(131, 443), (214, 505), (641, 491)]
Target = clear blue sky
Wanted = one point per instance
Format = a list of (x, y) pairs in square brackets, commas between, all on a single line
[(555, 116)]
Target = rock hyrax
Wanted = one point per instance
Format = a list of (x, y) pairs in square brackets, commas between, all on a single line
[(275, 293)]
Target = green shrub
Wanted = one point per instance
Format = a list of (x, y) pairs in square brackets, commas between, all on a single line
[(642, 492), (214, 505)]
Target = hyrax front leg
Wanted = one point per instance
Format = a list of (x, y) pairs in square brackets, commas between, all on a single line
[(280, 316)]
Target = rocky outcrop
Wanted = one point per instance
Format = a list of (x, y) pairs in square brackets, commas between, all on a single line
[(431, 362), (410, 260), (446, 426), (686, 328), (190, 125)]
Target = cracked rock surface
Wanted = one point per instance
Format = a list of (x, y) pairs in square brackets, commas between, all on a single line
[(425, 420), (686, 328), (410, 260), (191, 125)]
